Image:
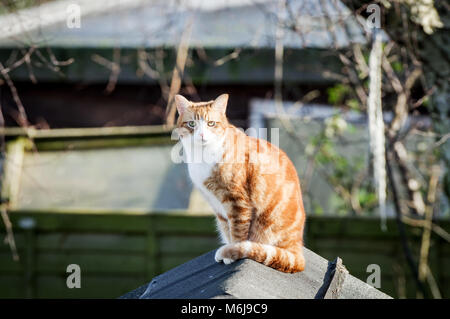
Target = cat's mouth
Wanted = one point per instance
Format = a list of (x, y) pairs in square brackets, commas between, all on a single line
[(203, 142)]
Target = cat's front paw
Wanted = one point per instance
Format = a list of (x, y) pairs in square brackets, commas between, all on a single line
[(221, 255)]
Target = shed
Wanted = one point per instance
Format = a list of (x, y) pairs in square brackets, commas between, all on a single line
[(140, 23), (232, 45), (248, 26), (203, 278)]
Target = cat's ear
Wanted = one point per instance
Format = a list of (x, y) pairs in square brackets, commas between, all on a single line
[(221, 103), (181, 103)]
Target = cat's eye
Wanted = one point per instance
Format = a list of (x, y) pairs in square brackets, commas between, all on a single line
[(191, 124), (211, 123)]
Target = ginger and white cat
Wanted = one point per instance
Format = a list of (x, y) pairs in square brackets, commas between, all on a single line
[(251, 184)]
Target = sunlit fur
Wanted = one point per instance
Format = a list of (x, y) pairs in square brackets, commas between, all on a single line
[(252, 186)]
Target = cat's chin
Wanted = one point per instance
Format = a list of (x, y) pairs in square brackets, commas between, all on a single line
[(203, 143)]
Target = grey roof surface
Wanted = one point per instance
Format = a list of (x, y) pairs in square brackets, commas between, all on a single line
[(218, 23), (203, 278)]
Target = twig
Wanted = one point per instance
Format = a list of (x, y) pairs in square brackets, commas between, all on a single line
[(158, 74), (30, 69), (113, 66), (411, 183), (426, 234), (21, 61), (399, 213), (178, 70), (56, 62), (433, 285), (420, 223), (442, 140), (23, 120), (233, 55), (115, 70), (9, 239)]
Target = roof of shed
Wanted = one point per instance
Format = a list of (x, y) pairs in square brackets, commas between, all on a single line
[(216, 24), (202, 278)]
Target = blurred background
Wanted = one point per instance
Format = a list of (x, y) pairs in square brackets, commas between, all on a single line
[(358, 91)]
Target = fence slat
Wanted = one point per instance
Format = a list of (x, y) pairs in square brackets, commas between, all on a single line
[(90, 262), (87, 241), (129, 249)]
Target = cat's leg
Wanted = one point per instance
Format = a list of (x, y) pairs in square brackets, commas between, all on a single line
[(224, 229), (239, 221)]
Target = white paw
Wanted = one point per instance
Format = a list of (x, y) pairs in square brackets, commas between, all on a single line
[(219, 257), (219, 254)]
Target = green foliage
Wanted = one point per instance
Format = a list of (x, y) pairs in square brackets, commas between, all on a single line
[(344, 173), (366, 198), (343, 95), (397, 66), (354, 104), (340, 205), (317, 208), (338, 93)]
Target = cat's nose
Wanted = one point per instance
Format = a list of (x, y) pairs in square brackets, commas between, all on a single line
[(201, 135)]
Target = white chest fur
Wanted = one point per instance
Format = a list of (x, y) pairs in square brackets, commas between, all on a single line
[(201, 167), (199, 173)]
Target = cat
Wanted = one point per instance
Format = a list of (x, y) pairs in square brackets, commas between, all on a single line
[(250, 183)]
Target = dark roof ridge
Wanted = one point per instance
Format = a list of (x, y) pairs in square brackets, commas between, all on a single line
[(202, 278)]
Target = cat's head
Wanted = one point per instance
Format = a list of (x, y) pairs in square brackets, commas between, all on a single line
[(204, 122)]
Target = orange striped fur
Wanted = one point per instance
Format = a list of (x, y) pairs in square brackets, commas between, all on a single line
[(251, 184)]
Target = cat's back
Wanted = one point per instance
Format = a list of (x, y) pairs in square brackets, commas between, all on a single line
[(264, 156)]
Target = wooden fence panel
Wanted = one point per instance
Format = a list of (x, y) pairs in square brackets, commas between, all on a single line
[(118, 252)]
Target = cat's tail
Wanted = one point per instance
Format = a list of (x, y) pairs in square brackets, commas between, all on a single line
[(282, 259)]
